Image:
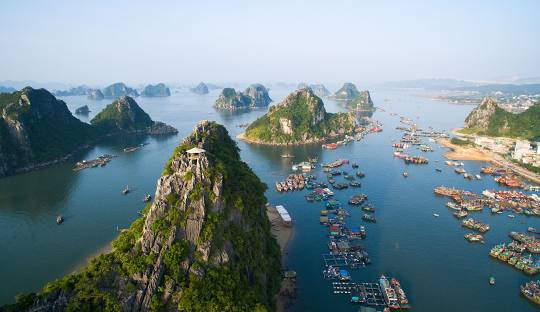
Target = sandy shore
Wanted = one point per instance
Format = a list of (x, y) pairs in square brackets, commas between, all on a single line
[(472, 153), (283, 235), (459, 152), (281, 232)]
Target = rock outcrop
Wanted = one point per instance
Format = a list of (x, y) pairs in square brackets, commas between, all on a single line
[(119, 89), (36, 129), (83, 110), (254, 96), (300, 119), (125, 116), (362, 102), (201, 88), (319, 89), (480, 116), (95, 94), (347, 92), (489, 119), (204, 244), (159, 90)]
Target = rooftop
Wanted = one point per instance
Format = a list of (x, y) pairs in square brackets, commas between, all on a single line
[(195, 150)]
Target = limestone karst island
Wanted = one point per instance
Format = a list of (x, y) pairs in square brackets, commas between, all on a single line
[(269, 156)]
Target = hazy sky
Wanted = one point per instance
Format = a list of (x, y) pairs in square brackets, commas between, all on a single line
[(99, 42)]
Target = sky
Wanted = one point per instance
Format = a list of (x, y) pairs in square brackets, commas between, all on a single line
[(99, 42)]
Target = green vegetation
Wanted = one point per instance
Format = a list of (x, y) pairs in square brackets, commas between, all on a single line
[(461, 142), (308, 120), (524, 125), (50, 130), (248, 282), (122, 115), (527, 166)]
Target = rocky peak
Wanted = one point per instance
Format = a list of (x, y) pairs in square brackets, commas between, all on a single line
[(347, 92), (119, 89), (258, 94), (201, 88), (306, 97), (479, 117)]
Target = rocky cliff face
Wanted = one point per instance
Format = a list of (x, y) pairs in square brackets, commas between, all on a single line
[(95, 94), (301, 118), (480, 117), (37, 129), (362, 102), (204, 244), (125, 116), (347, 92), (201, 88), (119, 89), (255, 95), (159, 90)]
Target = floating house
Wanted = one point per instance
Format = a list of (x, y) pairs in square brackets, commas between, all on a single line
[(284, 215)]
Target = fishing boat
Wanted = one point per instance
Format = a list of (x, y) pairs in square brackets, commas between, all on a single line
[(369, 218), (59, 220), (360, 174), (461, 214), (460, 170), (354, 165), (368, 208), (474, 237), (491, 280), (402, 298), (532, 230), (478, 177), (405, 174), (125, 191), (453, 206), (467, 176), (287, 155), (438, 170), (355, 184), (436, 215)]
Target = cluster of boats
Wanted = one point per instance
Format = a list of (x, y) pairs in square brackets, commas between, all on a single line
[(417, 160), (475, 225), (531, 243), (474, 237), (101, 161), (531, 291), (294, 182), (509, 181), (358, 199), (513, 255), (393, 293)]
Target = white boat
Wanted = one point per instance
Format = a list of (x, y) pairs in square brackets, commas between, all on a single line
[(511, 216), (435, 214), (478, 177)]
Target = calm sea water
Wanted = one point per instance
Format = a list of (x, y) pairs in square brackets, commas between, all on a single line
[(438, 269)]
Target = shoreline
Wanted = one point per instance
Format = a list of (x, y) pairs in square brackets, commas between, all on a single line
[(473, 153), (283, 235), (242, 137)]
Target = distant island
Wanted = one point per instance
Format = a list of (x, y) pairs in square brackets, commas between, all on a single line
[(489, 119), (201, 88), (354, 99), (76, 91), (204, 244), (159, 90), (254, 96), (7, 89), (125, 116), (83, 110), (37, 130), (95, 94), (319, 89), (119, 89), (300, 119)]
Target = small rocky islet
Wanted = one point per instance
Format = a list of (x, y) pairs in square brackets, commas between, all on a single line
[(354, 99), (201, 88), (254, 96), (300, 119), (158, 90), (205, 233)]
